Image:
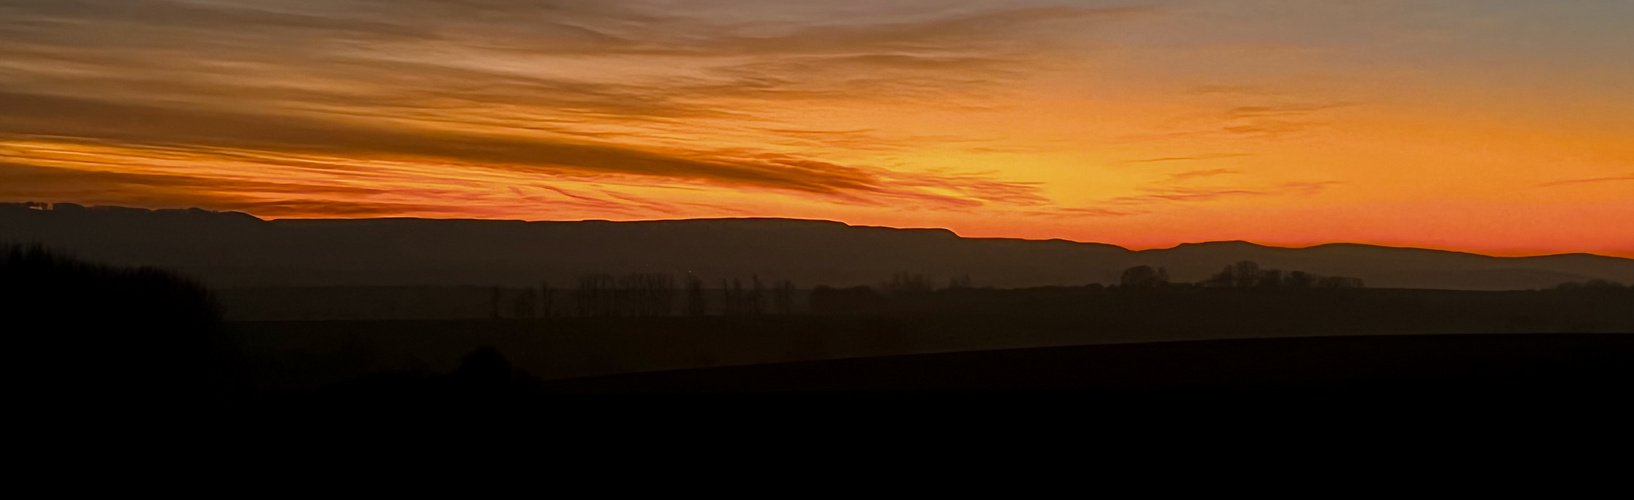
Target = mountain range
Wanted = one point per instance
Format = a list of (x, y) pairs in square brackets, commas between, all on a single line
[(237, 250)]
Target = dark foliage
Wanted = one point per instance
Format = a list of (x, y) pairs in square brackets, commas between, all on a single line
[(88, 332), (1248, 274), (1144, 277)]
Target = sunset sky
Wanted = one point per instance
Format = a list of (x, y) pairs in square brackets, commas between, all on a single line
[(1503, 127)]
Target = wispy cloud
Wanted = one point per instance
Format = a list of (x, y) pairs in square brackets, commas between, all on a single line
[(1176, 194), (552, 88), (1204, 157), (1597, 180), (1199, 174)]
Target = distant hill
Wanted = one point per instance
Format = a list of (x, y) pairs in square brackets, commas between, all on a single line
[(229, 249)]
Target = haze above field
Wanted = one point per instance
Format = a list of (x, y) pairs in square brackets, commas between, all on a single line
[(238, 250), (1493, 126)]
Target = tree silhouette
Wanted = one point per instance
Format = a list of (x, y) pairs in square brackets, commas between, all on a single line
[(525, 304), (756, 296), (783, 297), (1144, 277), (1338, 282), (1270, 278), (1246, 273), (697, 304), (735, 301), (547, 299), (647, 294), (1299, 279), (86, 333), (597, 295), (908, 283), (1226, 278), (486, 376)]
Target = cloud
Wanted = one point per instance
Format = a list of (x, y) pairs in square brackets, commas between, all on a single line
[(1079, 212), (30, 182), (1172, 194), (552, 88), (1168, 159), (22, 180), (1198, 174), (36, 115), (1596, 180)]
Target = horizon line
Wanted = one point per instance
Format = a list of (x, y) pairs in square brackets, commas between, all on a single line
[(1505, 255)]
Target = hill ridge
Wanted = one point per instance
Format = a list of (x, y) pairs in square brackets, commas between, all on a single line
[(239, 250)]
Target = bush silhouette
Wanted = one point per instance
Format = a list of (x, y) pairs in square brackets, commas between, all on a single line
[(95, 333)]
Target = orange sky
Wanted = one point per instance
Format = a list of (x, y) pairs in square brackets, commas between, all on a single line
[(1495, 126)]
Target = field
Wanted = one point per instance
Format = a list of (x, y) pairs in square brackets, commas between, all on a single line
[(300, 356), (1436, 366)]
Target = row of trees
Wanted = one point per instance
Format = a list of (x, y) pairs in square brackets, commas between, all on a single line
[(649, 295), (1245, 274), (907, 283), (658, 294)]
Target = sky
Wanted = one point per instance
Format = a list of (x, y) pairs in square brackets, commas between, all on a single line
[(1503, 127)]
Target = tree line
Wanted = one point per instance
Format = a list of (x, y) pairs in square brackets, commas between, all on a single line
[(1245, 274), (604, 295)]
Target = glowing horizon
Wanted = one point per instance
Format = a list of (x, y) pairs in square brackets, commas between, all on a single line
[(1497, 127)]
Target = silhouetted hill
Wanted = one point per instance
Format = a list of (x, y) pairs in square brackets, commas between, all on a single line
[(237, 250)]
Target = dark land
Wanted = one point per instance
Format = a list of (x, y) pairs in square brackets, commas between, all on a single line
[(131, 305), (228, 250)]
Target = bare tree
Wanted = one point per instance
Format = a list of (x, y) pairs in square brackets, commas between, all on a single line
[(734, 297), (523, 304), (783, 297), (648, 294), (906, 283), (757, 296), (697, 304), (547, 299), (597, 295), (495, 302)]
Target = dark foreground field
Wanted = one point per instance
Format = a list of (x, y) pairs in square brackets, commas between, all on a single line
[(303, 356), (1420, 365)]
